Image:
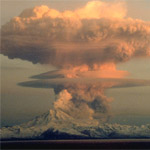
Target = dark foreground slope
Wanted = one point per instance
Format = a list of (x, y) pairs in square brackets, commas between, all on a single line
[(78, 144)]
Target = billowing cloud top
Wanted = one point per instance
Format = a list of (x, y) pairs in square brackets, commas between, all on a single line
[(95, 34)]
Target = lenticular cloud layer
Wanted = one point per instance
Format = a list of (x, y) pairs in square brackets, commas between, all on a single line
[(97, 33)]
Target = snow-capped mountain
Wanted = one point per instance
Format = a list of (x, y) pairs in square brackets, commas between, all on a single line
[(58, 125)]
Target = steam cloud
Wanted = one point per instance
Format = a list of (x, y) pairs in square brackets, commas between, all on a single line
[(81, 101), (93, 35), (85, 43)]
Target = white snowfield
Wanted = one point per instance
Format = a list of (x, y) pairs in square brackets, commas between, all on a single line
[(63, 123)]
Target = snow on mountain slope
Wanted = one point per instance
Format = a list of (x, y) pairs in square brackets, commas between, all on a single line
[(48, 126)]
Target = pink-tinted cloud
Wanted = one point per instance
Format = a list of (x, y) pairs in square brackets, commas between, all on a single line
[(96, 34)]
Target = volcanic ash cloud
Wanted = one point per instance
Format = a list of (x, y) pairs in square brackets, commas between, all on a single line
[(85, 43), (82, 102), (95, 34)]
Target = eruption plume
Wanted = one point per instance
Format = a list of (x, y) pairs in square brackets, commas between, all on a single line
[(83, 101), (85, 45), (96, 34)]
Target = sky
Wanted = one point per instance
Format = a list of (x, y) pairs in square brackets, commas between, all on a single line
[(20, 104)]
